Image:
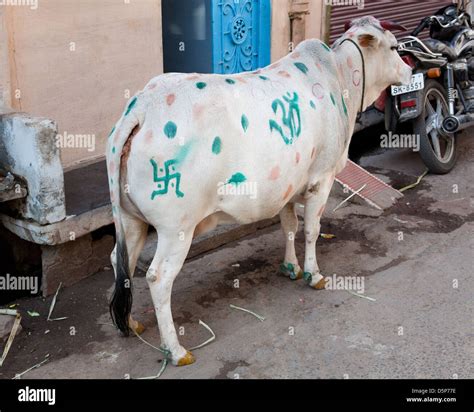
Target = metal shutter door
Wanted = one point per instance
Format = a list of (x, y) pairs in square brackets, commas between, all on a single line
[(407, 12)]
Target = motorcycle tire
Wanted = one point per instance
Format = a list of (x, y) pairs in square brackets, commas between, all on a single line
[(428, 127)]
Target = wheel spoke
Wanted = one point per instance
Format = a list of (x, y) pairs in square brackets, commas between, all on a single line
[(436, 145), (430, 123), (431, 111), (439, 108), (446, 137)]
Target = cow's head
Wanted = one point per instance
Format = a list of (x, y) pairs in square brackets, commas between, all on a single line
[(384, 65)]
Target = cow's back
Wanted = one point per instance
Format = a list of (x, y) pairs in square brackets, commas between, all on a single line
[(207, 139)]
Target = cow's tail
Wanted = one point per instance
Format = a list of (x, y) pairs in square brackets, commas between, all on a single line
[(121, 303)]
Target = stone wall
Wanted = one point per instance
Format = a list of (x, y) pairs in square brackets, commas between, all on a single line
[(28, 150)]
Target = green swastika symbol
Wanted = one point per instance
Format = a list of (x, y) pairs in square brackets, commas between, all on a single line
[(170, 177)]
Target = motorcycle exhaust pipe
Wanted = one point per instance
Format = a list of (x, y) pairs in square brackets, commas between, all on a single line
[(452, 124)]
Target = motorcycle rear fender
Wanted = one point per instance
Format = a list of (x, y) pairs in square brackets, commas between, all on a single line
[(408, 113)]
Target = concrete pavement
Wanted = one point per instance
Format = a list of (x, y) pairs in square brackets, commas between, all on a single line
[(416, 260)]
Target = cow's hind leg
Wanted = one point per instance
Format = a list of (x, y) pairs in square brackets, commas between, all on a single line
[(135, 231), (315, 203), (173, 246), (289, 225)]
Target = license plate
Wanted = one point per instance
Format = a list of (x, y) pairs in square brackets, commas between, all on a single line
[(417, 83)]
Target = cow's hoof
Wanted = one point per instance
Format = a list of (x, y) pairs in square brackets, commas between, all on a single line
[(312, 281), (294, 272), (186, 359), (139, 328), (136, 327), (321, 284)]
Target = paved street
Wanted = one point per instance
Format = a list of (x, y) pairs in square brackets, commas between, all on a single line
[(418, 324)]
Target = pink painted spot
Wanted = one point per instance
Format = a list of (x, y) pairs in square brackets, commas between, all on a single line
[(170, 99), (198, 110), (356, 77), (298, 157), (288, 192), (192, 77), (148, 137), (151, 86), (241, 79), (318, 65), (257, 71), (350, 63), (318, 91), (274, 66), (339, 70), (313, 152), (111, 167), (321, 210), (274, 173), (284, 73), (295, 55)]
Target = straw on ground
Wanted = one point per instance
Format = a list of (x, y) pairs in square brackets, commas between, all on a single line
[(259, 317)]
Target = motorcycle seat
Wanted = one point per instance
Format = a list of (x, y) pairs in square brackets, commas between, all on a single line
[(437, 46)]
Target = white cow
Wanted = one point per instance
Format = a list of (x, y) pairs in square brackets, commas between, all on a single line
[(195, 150)]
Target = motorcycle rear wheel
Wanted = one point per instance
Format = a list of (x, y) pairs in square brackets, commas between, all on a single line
[(437, 148)]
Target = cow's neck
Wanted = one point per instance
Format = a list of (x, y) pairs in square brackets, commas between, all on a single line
[(351, 84)]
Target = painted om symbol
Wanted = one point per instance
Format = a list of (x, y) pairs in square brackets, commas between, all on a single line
[(290, 117)]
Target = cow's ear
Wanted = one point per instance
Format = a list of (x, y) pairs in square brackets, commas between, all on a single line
[(367, 40)]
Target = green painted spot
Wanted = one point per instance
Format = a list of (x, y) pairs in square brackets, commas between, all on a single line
[(263, 77), (131, 105), (245, 122), (230, 81), (332, 99), (308, 277), (302, 67), (201, 85), (237, 178), (111, 181), (112, 131), (216, 145), (288, 269), (170, 130), (182, 153), (326, 46), (113, 150), (311, 103), (344, 105)]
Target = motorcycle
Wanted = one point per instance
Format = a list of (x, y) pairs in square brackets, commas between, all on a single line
[(439, 101)]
